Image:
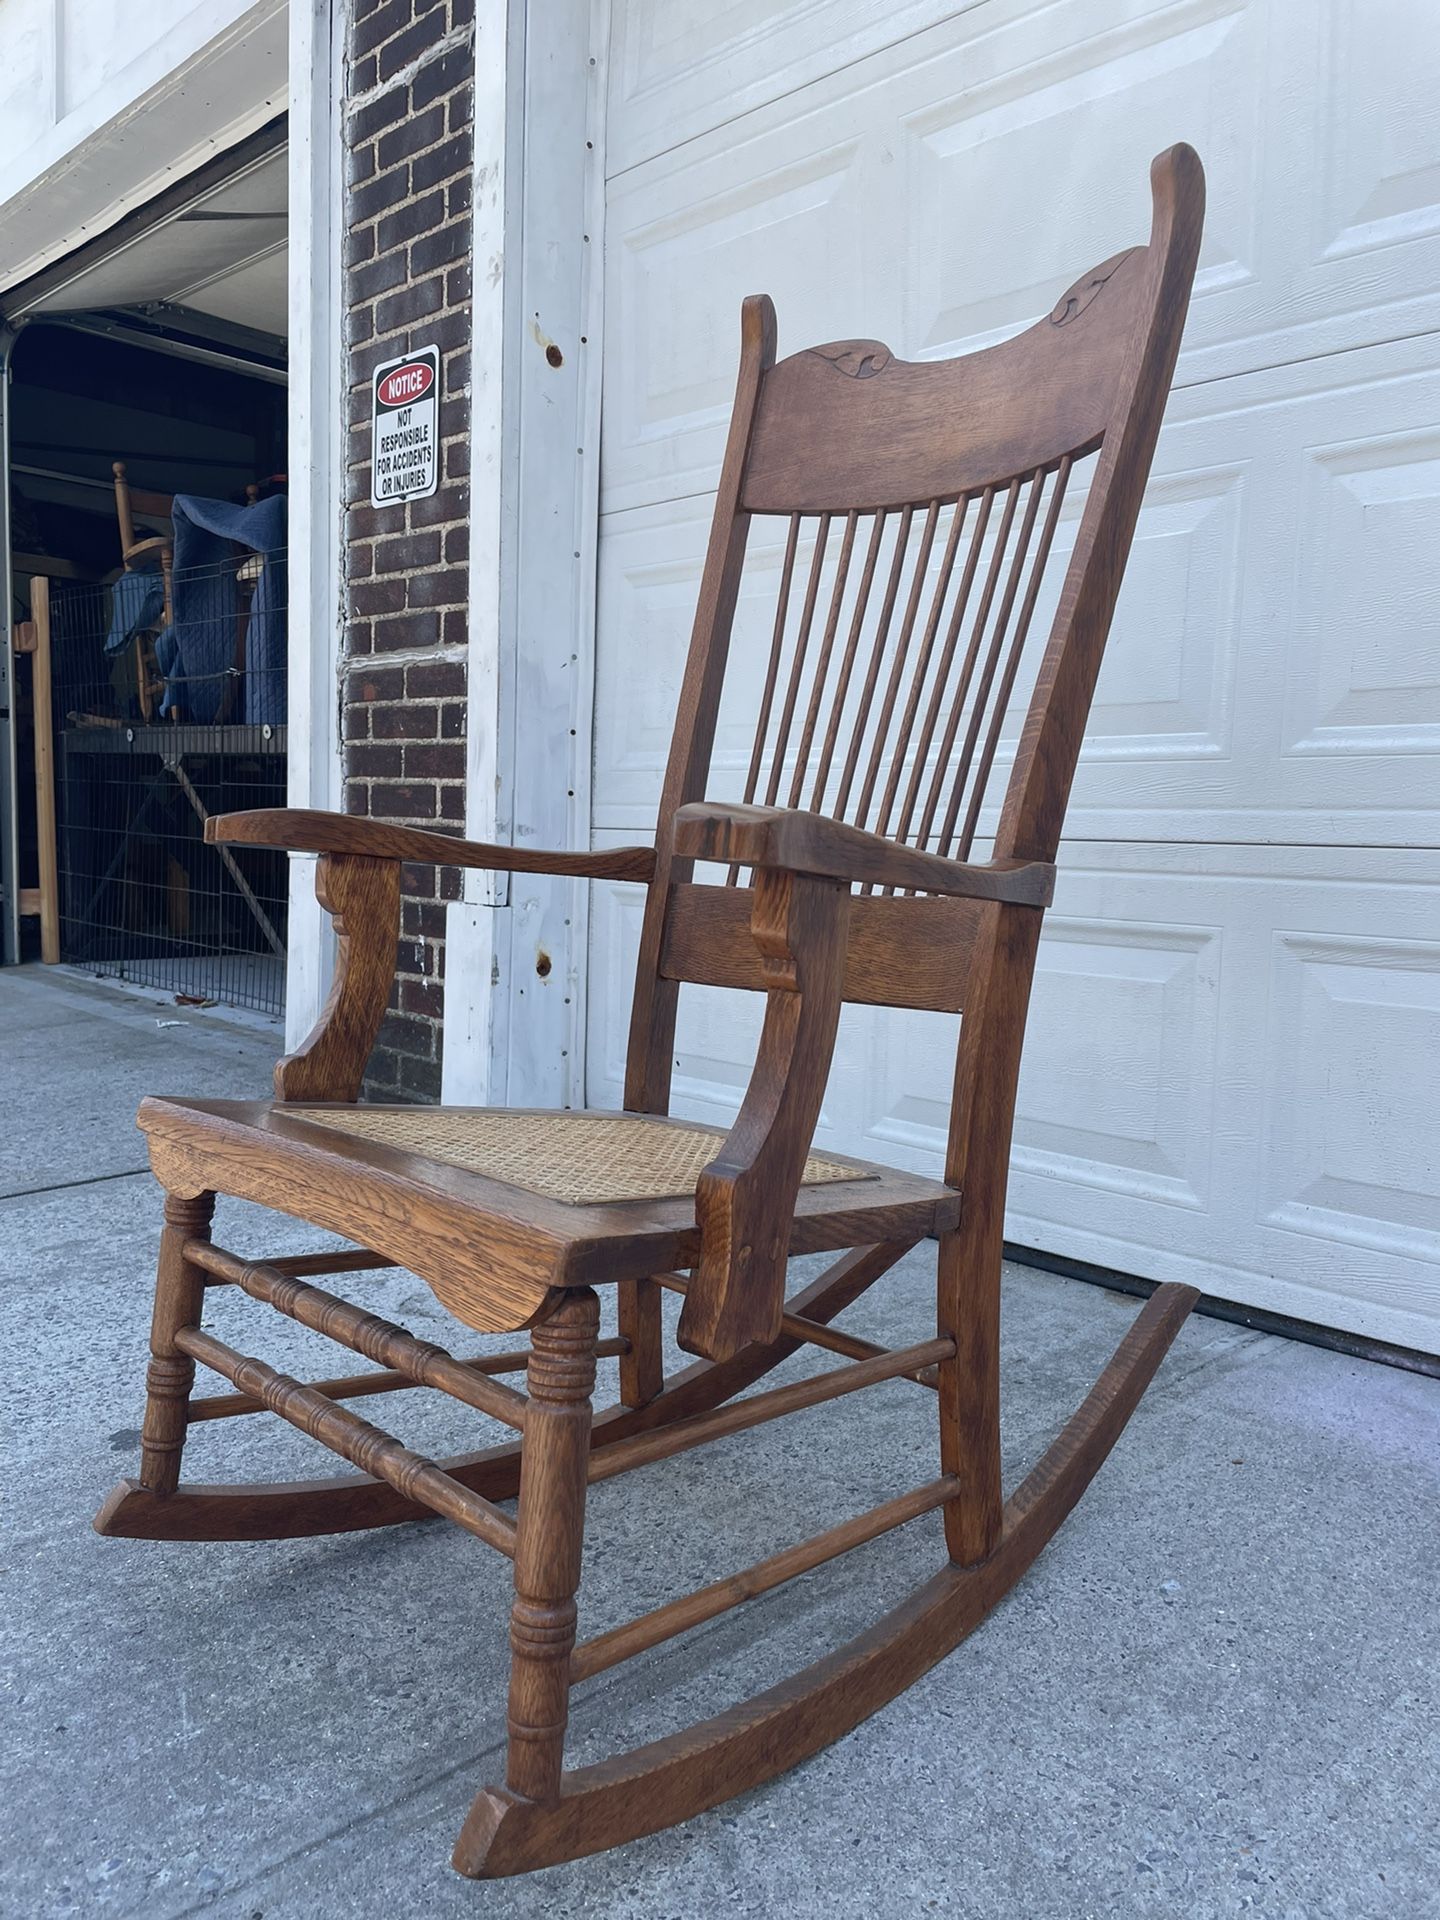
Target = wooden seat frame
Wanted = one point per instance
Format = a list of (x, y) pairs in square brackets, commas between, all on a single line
[(833, 435)]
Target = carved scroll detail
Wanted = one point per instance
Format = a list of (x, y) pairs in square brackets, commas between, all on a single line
[(860, 359), (1089, 287)]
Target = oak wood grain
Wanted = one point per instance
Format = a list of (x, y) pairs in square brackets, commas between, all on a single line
[(650, 1055), (360, 1386), (674, 1778), (491, 1252), (179, 1298), (304, 830), (377, 1452), (549, 1532), (899, 952), (421, 1362), (679, 1436), (850, 425), (346, 1503), (744, 1200), (810, 843), (361, 894)]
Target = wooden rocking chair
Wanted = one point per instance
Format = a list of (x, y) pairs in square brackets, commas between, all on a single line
[(918, 506)]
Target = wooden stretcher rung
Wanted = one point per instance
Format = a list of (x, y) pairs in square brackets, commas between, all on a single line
[(643, 1448), (216, 1262), (356, 1386), (375, 1452), (423, 1363), (816, 1335), (693, 1609)]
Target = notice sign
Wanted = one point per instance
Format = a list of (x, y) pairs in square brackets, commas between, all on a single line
[(405, 428)]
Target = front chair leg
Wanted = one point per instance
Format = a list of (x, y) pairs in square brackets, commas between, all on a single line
[(550, 1529), (179, 1293)]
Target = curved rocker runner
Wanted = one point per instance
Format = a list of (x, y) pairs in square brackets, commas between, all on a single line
[(915, 508)]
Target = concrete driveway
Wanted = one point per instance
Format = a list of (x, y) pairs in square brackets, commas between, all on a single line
[(1218, 1692)]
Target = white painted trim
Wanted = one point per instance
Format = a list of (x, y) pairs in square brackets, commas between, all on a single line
[(592, 317), (477, 926), (499, 79), (515, 967), (317, 460)]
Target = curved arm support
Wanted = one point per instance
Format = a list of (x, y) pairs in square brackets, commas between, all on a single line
[(362, 896), (745, 1199)]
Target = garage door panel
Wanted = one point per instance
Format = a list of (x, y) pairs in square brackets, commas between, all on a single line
[(901, 200), (1369, 680), (1355, 1042), (675, 281), (648, 581), (1306, 594), (679, 70), (615, 916), (1118, 1083), (996, 162), (1305, 1057), (938, 192), (1379, 173), (1167, 686)]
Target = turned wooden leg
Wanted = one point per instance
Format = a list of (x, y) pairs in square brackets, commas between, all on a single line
[(551, 1525), (969, 1302), (642, 1369), (179, 1291)]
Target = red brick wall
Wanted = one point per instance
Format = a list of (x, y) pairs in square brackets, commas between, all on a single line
[(409, 110)]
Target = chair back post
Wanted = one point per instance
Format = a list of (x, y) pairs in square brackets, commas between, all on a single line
[(652, 1022), (1039, 788), (122, 508)]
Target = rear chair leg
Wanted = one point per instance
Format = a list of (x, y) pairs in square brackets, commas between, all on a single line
[(969, 1312), (551, 1524), (179, 1293), (642, 1369)]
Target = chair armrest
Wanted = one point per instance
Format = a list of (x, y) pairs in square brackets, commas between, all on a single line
[(784, 838), (805, 866), (302, 830), (358, 885)]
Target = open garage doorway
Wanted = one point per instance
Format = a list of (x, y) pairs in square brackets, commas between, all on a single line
[(146, 551)]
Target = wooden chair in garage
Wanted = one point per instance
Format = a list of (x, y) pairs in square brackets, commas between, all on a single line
[(917, 508), (136, 510)]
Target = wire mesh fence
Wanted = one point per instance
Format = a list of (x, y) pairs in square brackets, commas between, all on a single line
[(169, 706)]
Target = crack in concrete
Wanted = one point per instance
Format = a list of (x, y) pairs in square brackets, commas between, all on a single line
[(68, 1186)]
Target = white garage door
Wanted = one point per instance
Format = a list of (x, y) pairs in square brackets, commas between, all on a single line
[(1235, 1041)]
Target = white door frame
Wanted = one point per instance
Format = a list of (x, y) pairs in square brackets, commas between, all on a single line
[(317, 460), (516, 944)]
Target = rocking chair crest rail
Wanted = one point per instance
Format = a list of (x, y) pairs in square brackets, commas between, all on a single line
[(885, 833)]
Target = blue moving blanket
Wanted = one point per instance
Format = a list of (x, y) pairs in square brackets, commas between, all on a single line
[(205, 600), (136, 602)]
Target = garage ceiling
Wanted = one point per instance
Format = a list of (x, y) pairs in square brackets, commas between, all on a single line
[(222, 254)]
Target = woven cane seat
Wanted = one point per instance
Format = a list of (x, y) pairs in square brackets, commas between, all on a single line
[(583, 1159), (494, 1207)]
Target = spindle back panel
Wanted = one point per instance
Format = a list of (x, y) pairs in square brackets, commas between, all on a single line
[(919, 510)]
